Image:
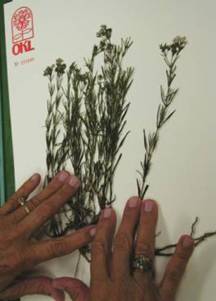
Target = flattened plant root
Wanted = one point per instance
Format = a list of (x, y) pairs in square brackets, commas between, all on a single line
[(167, 250)]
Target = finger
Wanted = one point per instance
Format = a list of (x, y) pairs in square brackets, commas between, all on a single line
[(123, 246), (176, 268), (145, 244), (45, 250), (102, 246), (24, 191), (48, 208), (37, 285), (146, 230), (56, 183), (76, 289)]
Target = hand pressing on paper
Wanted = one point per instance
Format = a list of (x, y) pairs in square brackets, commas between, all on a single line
[(122, 269), (19, 221)]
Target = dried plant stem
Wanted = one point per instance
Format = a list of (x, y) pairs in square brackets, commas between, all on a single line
[(198, 240), (170, 54), (77, 266), (55, 156), (86, 129), (92, 107)]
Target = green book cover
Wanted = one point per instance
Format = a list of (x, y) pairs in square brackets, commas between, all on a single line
[(6, 151)]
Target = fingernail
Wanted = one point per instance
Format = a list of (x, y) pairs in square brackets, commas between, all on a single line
[(63, 176), (107, 213), (132, 203), (92, 232), (148, 206), (35, 177), (74, 182), (188, 242)]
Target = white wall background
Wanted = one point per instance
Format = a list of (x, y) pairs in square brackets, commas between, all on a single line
[(184, 171)]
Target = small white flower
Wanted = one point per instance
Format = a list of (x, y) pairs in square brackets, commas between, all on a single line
[(182, 41)]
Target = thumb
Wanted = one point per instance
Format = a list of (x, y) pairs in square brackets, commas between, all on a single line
[(33, 286), (77, 290)]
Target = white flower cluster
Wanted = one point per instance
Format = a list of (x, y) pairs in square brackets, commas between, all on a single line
[(181, 41)]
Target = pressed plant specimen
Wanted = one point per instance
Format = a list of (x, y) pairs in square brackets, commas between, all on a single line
[(171, 54), (86, 128)]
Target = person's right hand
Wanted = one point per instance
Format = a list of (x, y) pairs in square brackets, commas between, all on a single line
[(19, 252), (112, 276)]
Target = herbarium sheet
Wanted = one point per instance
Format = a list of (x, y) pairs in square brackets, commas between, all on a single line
[(109, 60)]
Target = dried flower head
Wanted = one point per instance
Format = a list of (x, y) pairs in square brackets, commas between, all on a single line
[(60, 67), (104, 32), (177, 45), (180, 42), (49, 70)]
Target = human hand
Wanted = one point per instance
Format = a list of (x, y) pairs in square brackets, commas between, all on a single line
[(19, 252), (112, 277)]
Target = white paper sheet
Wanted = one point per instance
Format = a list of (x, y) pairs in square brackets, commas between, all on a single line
[(183, 174)]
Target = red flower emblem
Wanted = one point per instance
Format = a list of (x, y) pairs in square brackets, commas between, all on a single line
[(22, 19)]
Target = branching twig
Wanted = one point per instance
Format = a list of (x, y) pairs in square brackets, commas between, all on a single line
[(193, 227), (170, 54), (197, 241), (85, 126), (92, 107)]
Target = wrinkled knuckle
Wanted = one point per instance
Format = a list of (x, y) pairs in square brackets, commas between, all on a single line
[(51, 251), (101, 294), (35, 201), (58, 249), (98, 247), (3, 242), (23, 191), (20, 192), (42, 214), (67, 190), (8, 237), (5, 266), (123, 241), (183, 256), (63, 193), (17, 261), (45, 211), (54, 186), (174, 276), (144, 249), (148, 222)]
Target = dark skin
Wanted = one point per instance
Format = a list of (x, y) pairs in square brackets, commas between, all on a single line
[(20, 251), (112, 278), (115, 280)]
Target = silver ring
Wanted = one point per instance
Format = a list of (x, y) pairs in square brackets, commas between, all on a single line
[(143, 263)]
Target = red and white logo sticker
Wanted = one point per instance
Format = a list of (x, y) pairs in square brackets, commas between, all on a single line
[(22, 26)]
